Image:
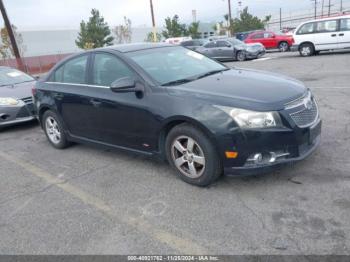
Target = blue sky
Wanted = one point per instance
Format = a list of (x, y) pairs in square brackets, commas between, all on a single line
[(67, 14)]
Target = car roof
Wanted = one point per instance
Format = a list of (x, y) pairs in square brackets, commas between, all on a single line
[(124, 48), (326, 19)]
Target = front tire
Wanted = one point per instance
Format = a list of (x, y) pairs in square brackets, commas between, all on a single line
[(54, 131), (307, 50), (240, 56), (192, 155)]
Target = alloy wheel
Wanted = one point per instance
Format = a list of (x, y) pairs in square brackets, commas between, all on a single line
[(284, 47), (53, 130), (306, 50), (240, 56), (188, 156)]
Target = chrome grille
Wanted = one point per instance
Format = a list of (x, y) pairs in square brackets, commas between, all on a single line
[(307, 115), (303, 111)]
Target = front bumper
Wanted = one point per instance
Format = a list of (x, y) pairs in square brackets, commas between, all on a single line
[(256, 54), (11, 115), (292, 144)]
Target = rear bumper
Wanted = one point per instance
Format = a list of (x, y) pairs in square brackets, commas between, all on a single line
[(294, 48)]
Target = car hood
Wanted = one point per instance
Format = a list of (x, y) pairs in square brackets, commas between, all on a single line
[(243, 88), (21, 90)]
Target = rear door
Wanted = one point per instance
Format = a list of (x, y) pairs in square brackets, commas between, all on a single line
[(68, 86), (326, 37), (344, 33)]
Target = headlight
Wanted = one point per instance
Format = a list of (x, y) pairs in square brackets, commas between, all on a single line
[(252, 119), (8, 101)]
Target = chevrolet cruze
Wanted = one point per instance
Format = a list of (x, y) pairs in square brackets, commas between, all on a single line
[(204, 118)]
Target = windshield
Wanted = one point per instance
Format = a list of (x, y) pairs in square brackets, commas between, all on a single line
[(235, 41), (171, 64), (10, 76)]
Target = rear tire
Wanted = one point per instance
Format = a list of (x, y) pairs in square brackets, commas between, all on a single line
[(307, 49), (283, 47), (190, 152), (54, 130)]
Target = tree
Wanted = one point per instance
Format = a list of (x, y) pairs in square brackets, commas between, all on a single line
[(149, 37), (94, 33), (6, 50), (193, 30), (248, 22), (174, 28), (123, 32)]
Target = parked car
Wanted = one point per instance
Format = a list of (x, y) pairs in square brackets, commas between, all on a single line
[(322, 35), (231, 49), (193, 44), (177, 40), (16, 103), (243, 35), (157, 99), (271, 40)]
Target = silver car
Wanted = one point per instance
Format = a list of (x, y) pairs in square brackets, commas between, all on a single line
[(16, 103)]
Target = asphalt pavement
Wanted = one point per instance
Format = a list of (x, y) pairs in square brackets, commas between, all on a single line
[(87, 200)]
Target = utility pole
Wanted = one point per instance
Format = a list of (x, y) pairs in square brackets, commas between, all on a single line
[(280, 19), (329, 7), (229, 16), (11, 34), (322, 7), (315, 8), (341, 6), (153, 23)]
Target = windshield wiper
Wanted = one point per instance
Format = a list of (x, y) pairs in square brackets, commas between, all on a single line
[(178, 82), (212, 73)]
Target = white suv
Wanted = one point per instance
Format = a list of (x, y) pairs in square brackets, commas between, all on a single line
[(320, 35)]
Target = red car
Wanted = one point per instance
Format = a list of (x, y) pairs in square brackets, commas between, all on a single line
[(271, 40)]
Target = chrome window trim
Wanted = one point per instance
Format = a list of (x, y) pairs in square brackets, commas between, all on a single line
[(76, 84)]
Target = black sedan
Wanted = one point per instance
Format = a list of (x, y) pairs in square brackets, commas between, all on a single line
[(16, 103), (156, 99), (231, 49)]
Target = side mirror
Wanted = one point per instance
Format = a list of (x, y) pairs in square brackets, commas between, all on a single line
[(124, 84)]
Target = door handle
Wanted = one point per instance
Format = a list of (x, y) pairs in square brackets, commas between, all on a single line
[(95, 102), (341, 34), (333, 35)]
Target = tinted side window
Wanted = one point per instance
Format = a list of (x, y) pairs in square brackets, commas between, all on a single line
[(306, 29), (257, 36), (73, 71), (210, 45), (107, 68), (345, 25), (222, 44), (268, 35), (326, 26)]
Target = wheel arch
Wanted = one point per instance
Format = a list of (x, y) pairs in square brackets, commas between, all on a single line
[(307, 42), (170, 123)]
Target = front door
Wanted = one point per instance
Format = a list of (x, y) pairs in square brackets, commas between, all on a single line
[(224, 49), (344, 33), (118, 118)]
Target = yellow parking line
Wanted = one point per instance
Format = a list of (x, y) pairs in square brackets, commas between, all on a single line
[(183, 245)]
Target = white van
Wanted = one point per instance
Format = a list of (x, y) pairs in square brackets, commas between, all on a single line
[(323, 34)]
